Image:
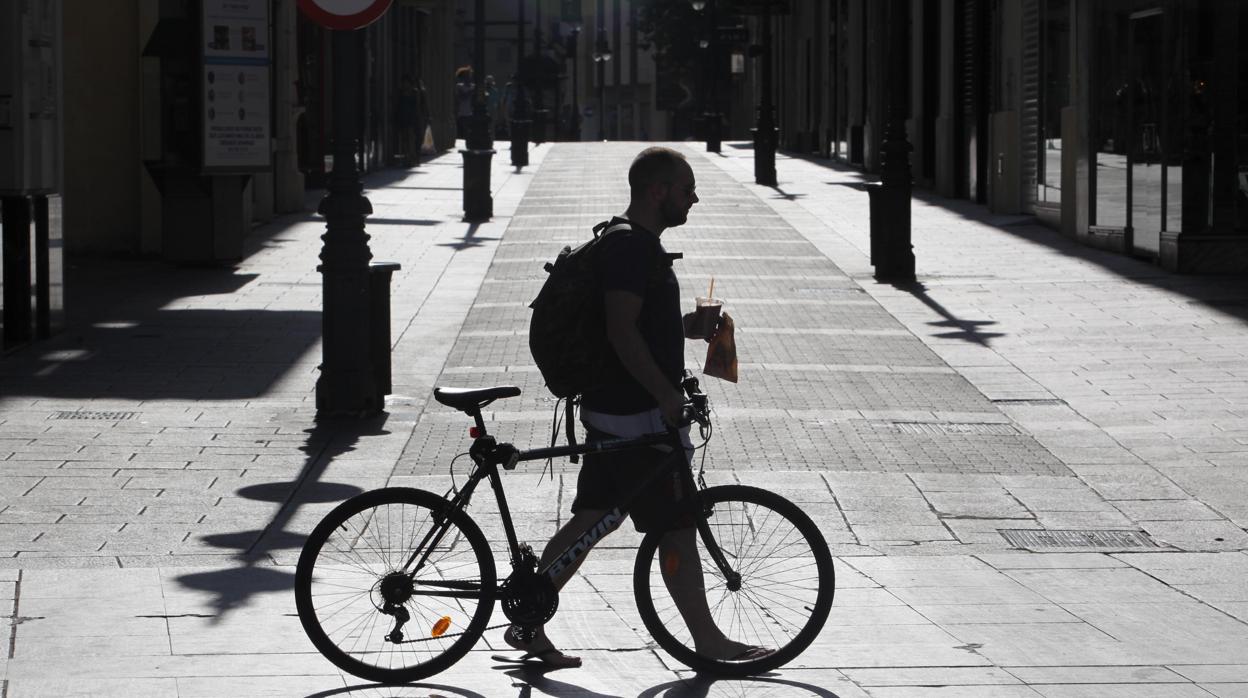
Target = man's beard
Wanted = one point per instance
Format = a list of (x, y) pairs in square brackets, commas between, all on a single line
[(672, 214)]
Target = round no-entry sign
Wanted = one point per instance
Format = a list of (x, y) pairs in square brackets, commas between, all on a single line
[(344, 14)]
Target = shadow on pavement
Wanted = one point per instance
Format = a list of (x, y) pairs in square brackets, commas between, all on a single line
[(698, 686), (410, 690), (966, 330), (1227, 294), (233, 587), (768, 685), (469, 240), (534, 677), (149, 330)]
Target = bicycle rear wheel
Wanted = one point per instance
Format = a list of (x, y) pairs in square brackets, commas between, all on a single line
[(784, 592), (350, 570)]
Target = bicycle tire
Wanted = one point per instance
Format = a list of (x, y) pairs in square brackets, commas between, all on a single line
[(778, 605), (353, 549)]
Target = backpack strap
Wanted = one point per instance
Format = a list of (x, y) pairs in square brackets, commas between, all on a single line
[(599, 231)]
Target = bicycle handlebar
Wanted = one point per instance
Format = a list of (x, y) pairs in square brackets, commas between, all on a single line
[(695, 409)]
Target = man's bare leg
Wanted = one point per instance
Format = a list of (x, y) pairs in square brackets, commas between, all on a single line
[(567, 534), (685, 582)]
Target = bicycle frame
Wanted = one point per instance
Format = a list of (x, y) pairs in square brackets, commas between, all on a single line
[(485, 452)]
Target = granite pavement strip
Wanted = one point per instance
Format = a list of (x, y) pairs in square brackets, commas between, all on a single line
[(161, 464)]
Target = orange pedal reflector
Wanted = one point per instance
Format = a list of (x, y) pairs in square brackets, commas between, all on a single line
[(440, 628)]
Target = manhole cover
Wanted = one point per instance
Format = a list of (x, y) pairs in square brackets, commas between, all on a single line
[(1040, 539), (948, 428), (94, 414)]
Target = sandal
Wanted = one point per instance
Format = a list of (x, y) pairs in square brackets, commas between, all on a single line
[(549, 656), (753, 653)]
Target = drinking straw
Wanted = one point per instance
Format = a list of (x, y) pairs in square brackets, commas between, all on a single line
[(710, 292)]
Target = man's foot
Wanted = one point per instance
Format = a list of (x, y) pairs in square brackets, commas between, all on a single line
[(731, 651), (540, 649)]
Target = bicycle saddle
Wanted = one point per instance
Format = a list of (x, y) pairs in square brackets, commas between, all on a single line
[(472, 399)]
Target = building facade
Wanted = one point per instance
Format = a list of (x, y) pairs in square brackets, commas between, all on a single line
[(181, 124), (581, 60), (1123, 123), (131, 166)]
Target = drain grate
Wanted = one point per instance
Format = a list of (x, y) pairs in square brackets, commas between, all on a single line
[(1044, 540), (95, 414), (1029, 401), (951, 428)]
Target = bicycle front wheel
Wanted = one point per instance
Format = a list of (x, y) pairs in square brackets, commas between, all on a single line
[(369, 615), (776, 596)]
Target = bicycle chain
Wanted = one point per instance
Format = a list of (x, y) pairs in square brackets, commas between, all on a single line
[(442, 637)]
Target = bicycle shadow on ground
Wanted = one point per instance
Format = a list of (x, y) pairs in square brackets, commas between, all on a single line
[(712, 687), (410, 690), (535, 679)]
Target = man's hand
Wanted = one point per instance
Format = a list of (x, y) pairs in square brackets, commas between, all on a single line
[(690, 327), (671, 405)]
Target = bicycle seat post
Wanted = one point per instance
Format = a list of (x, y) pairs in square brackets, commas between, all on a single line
[(476, 415)]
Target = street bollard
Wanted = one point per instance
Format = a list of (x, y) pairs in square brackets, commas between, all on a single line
[(379, 274), (875, 200)]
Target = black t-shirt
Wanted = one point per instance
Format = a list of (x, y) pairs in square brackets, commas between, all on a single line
[(635, 261)]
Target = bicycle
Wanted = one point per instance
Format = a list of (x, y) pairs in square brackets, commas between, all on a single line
[(394, 559)]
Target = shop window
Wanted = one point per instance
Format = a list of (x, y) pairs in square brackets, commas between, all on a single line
[(1055, 96), (1241, 127), (1110, 92)]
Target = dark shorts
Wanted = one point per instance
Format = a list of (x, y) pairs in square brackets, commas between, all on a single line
[(606, 479)]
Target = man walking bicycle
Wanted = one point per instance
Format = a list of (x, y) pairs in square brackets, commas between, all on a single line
[(640, 395)]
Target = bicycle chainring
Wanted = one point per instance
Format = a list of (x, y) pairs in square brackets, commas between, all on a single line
[(528, 599)]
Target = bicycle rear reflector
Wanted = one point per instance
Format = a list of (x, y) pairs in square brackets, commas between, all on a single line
[(440, 628), (474, 432)]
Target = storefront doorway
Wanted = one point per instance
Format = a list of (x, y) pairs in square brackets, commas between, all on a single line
[(1147, 176)]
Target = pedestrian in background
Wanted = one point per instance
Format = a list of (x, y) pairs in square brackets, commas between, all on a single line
[(412, 118), (464, 90), (493, 98)]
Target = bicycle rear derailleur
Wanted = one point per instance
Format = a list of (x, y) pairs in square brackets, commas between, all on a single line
[(394, 590), (529, 600)]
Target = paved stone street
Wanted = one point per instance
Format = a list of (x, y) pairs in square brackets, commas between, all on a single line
[(1031, 465)]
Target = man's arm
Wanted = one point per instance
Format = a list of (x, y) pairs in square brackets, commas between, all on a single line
[(622, 310)]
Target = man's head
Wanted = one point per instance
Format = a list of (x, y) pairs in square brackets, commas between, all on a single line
[(661, 182)]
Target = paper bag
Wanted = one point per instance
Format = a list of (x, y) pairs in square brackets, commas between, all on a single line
[(427, 147), (721, 354)]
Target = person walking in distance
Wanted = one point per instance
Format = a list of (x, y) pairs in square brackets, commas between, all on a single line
[(412, 115), (640, 395)]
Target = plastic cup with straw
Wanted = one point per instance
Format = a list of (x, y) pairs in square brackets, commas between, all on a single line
[(706, 315)]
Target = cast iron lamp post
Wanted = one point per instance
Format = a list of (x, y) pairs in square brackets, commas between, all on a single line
[(520, 114), (572, 50), (478, 203), (710, 114), (347, 385), (765, 129), (891, 251)]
